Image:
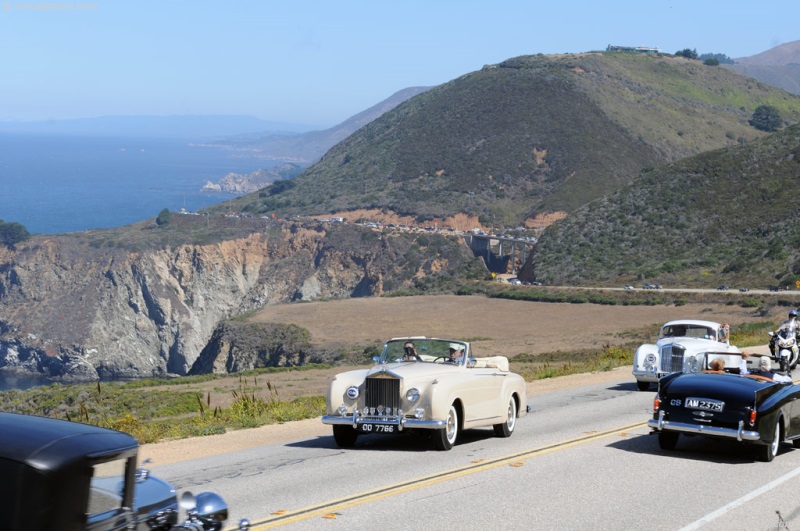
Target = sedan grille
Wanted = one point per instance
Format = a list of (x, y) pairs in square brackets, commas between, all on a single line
[(672, 358), (383, 392)]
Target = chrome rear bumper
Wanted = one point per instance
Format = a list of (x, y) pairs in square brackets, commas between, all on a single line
[(739, 434)]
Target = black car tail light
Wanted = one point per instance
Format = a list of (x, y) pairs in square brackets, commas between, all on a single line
[(656, 404), (753, 415)]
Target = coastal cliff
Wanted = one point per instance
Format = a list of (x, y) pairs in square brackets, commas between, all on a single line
[(101, 305)]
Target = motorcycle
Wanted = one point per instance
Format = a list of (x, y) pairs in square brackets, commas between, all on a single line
[(783, 348)]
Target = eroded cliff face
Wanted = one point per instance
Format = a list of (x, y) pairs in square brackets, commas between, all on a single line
[(72, 311)]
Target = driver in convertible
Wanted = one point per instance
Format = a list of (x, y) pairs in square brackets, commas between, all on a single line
[(456, 353)]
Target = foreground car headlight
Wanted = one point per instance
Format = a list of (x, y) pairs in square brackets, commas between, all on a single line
[(412, 395), (352, 392), (650, 361)]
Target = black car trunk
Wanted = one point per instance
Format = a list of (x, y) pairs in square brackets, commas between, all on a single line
[(714, 399)]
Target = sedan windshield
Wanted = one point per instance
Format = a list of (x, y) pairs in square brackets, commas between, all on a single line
[(684, 330)]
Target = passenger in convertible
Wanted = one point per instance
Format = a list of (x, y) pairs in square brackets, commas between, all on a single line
[(765, 364), (717, 365), (410, 352)]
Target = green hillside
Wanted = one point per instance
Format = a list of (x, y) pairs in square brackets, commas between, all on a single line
[(729, 215), (532, 134)]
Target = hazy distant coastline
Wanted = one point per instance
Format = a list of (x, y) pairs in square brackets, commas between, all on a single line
[(68, 183)]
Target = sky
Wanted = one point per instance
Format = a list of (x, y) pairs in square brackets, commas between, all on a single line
[(318, 62)]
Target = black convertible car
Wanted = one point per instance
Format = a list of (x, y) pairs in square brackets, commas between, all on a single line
[(748, 408)]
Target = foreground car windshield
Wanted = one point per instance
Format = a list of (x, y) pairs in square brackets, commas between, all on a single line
[(423, 350), (106, 491)]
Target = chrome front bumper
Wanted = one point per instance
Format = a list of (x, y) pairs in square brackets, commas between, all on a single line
[(402, 423), (739, 434)]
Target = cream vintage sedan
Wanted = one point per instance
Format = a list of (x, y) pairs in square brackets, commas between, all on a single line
[(431, 384)]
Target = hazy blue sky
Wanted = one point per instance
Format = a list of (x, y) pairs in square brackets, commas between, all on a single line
[(319, 62)]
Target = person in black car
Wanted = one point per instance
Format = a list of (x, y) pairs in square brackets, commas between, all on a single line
[(765, 364)]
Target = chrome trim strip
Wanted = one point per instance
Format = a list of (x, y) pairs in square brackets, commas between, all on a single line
[(738, 434)]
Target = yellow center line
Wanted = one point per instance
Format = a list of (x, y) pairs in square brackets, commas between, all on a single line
[(425, 481)]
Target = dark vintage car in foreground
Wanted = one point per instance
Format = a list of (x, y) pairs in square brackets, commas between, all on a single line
[(57, 475), (748, 408), (437, 387)]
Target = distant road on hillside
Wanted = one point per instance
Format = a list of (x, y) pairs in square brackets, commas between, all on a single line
[(712, 290)]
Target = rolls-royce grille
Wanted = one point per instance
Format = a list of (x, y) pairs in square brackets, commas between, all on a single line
[(383, 392), (672, 358)]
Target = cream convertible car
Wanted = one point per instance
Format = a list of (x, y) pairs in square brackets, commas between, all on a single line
[(426, 384)]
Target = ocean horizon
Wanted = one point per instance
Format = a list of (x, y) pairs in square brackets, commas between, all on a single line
[(64, 183)]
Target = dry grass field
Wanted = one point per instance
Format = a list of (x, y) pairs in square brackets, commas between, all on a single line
[(493, 326)]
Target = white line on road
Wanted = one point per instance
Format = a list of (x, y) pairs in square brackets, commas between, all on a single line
[(744, 499)]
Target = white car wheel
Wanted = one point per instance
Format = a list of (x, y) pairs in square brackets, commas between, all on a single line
[(769, 451), (445, 438), (506, 428)]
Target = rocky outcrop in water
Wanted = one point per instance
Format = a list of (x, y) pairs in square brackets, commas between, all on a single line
[(105, 305)]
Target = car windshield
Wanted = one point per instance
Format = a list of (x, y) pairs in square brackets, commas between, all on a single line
[(424, 350), (106, 491), (688, 330)]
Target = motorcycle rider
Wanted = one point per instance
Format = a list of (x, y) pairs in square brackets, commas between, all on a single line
[(787, 329)]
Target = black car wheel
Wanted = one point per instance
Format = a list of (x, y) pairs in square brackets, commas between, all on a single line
[(643, 386), (345, 436), (505, 429), (445, 438), (768, 452), (668, 440)]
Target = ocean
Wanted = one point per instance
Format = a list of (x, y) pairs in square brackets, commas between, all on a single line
[(54, 184)]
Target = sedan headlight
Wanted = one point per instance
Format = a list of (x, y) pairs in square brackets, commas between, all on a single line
[(650, 361), (691, 364), (412, 395)]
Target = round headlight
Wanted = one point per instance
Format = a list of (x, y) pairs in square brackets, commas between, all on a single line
[(649, 361), (691, 364), (352, 392), (412, 395)]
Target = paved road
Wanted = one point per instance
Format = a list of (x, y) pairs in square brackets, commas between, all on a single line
[(583, 459)]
